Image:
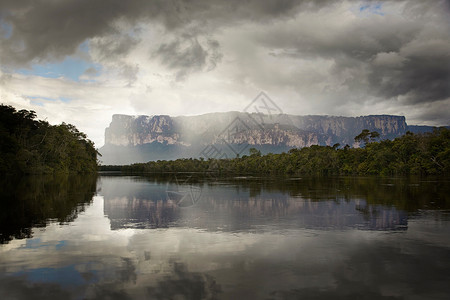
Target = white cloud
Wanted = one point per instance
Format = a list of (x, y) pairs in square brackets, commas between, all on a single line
[(332, 59)]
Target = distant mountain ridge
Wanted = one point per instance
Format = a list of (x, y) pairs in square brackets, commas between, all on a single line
[(131, 139)]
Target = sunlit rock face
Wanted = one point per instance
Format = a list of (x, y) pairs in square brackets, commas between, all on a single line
[(131, 139), (138, 130)]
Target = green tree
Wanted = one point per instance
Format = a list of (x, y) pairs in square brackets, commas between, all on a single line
[(366, 135), (31, 146), (254, 152)]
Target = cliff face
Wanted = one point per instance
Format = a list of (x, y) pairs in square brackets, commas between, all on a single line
[(130, 130), (293, 131), (166, 137)]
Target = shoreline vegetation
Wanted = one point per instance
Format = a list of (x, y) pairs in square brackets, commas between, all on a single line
[(410, 154), (30, 146)]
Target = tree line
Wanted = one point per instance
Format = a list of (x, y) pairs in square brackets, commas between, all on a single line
[(30, 146), (421, 154)]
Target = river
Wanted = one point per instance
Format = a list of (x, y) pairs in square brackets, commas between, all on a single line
[(205, 237)]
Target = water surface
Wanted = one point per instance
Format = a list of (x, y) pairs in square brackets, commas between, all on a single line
[(193, 237)]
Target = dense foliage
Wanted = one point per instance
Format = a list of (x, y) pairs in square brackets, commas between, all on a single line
[(32, 146), (424, 154)]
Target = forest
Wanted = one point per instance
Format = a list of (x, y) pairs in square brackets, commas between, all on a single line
[(30, 146), (419, 154)]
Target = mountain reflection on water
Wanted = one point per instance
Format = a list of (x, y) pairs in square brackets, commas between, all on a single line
[(188, 237), (235, 204)]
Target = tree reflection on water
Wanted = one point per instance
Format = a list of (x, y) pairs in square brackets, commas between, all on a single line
[(33, 201)]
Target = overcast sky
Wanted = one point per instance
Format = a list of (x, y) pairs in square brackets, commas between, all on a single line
[(80, 61)]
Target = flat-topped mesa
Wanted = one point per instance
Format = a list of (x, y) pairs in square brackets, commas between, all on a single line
[(131, 139), (388, 126), (289, 130), (127, 130)]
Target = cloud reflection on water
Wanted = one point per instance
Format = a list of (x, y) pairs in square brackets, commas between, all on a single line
[(264, 253)]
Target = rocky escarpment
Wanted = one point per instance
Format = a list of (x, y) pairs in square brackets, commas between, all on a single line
[(138, 130), (142, 138)]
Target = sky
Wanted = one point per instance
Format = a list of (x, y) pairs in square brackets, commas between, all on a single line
[(81, 61)]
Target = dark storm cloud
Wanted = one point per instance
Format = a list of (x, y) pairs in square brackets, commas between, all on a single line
[(418, 79), (52, 29), (187, 55), (113, 48), (398, 51), (404, 57), (47, 29)]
